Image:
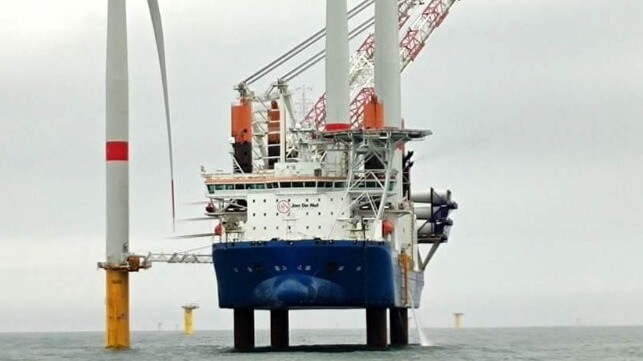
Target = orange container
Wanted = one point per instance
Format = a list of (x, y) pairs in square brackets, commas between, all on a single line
[(241, 116), (373, 114)]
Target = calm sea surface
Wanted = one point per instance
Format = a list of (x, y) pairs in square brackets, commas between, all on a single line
[(581, 343)]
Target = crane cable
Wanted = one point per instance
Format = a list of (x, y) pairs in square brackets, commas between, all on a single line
[(322, 53), (302, 46)]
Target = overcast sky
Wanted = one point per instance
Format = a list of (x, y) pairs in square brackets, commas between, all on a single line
[(536, 108)]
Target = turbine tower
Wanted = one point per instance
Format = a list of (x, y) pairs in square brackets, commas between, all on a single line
[(118, 261), (117, 171), (337, 63), (387, 73)]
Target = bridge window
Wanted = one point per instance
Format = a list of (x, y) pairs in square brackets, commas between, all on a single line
[(276, 185)]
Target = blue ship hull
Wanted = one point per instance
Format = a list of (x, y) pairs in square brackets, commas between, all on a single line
[(313, 274)]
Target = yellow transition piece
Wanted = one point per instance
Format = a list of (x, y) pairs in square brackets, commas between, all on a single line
[(117, 302), (187, 315)]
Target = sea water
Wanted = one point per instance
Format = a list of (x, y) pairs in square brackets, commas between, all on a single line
[(564, 343)]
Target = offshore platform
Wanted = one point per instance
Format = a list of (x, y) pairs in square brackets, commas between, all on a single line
[(316, 212)]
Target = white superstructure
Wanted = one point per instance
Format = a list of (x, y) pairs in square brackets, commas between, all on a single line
[(309, 200)]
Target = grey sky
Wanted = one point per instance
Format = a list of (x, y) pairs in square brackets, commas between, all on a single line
[(536, 106)]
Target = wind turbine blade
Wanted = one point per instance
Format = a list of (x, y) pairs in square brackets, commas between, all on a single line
[(195, 202), (155, 14), (196, 219), (198, 235)]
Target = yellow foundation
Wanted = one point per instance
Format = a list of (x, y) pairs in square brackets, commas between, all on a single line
[(117, 303), (457, 320), (187, 318)]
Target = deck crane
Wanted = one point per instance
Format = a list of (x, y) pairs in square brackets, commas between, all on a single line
[(423, 17)]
